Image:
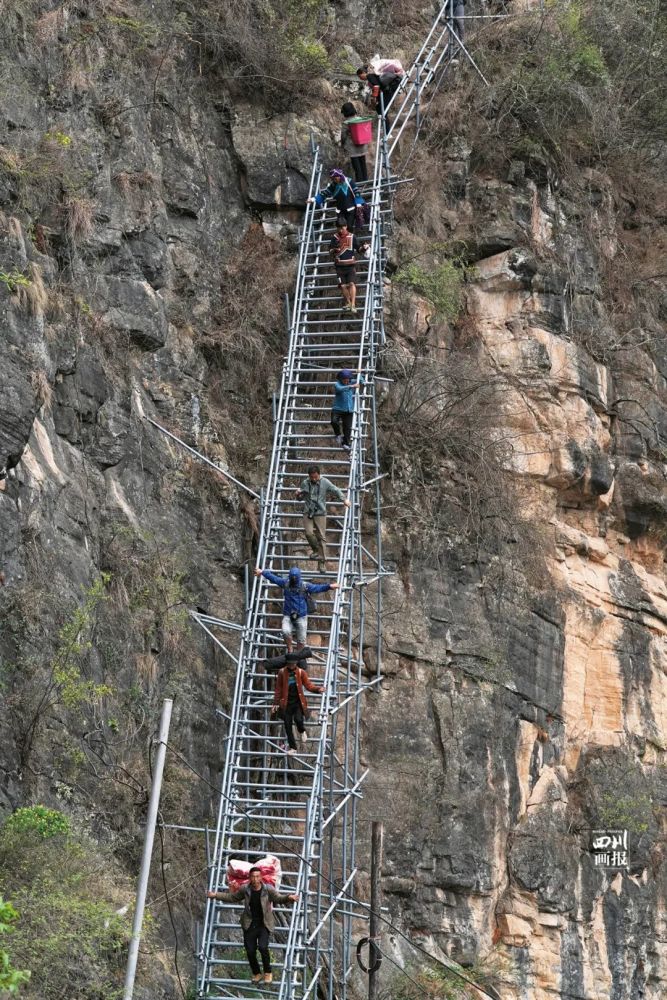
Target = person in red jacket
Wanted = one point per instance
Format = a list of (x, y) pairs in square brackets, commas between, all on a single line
[(290, 699)]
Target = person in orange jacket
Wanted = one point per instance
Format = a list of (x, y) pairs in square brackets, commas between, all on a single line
[(290, 699)]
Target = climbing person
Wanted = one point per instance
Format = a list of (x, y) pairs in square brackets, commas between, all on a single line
[(356, 151), (295, 605), (290, 701), (344, 193), (344, 245), (383, 76), (257, 919), (342, 411), (314, 492), (459, 9)]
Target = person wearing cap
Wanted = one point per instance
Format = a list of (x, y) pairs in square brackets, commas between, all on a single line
[(343, 191), (342, 411), (344, 246), (257, 919), (295, 605), (314, 491), (289, 699), (356, 153)]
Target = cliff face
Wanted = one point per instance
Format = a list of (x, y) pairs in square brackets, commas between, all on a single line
[(522, 712), (148, 221)]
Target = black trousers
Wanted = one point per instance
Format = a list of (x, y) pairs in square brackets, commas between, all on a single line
[(359, 168), (294, 715), (348, 215), (342, 424), (257, 936)]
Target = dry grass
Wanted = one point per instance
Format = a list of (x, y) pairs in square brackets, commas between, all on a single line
[(42, 388), (79, 216), (33, 297), (49, 25), (129, 181)]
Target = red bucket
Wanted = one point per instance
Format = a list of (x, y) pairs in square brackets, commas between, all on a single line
[(361, 130)]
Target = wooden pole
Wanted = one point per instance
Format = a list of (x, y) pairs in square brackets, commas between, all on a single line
[(374, 956)]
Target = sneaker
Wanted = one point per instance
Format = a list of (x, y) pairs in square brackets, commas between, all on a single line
[(353, 310), (347, 308), (258, 978), (268, 977), (339, 438), (346, 447), (284, 747), (321, 566), (303, 738)]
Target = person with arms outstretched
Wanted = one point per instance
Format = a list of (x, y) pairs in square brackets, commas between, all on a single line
[(257, 919), (295, 605), (343, 191)]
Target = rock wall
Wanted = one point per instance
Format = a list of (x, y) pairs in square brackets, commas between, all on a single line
[(515, 716)]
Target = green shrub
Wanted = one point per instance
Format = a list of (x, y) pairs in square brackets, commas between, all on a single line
[(38, 819), (441, 286), (71, 934), (10, 978)]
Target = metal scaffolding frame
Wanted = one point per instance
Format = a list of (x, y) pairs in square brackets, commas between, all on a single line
[(303, 808)]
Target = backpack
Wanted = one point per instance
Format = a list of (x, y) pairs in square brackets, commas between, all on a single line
[(311, 603), (363, 214)]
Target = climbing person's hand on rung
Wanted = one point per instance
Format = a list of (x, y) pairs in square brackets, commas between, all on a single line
[(333, 586), (257, 571), (347, 503), (294, 897)]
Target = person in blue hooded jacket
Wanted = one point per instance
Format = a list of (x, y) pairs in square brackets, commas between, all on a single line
[(342, 411), (344, 192), (295, 606)]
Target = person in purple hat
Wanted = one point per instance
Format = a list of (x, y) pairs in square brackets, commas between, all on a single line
[(343, 191), (342, 412)]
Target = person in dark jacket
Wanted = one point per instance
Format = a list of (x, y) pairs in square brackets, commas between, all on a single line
[(342, 411), (290, 700), (295, 605), (344, 246), (344, 193), (257, 919), (459, 8), (314, 491), (356, 153), (382, 84)]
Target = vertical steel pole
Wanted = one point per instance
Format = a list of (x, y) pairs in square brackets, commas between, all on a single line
[(417, 95), (377, 843), (142, 884)]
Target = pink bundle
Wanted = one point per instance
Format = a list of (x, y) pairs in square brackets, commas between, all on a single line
[(238, 872)]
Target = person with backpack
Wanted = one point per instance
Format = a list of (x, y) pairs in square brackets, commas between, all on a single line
[(384, 77), (257, 919), (343, 191), (290, 700), (297, 604), (342, 412), (356, 151), (343, 246), (314, 491)]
